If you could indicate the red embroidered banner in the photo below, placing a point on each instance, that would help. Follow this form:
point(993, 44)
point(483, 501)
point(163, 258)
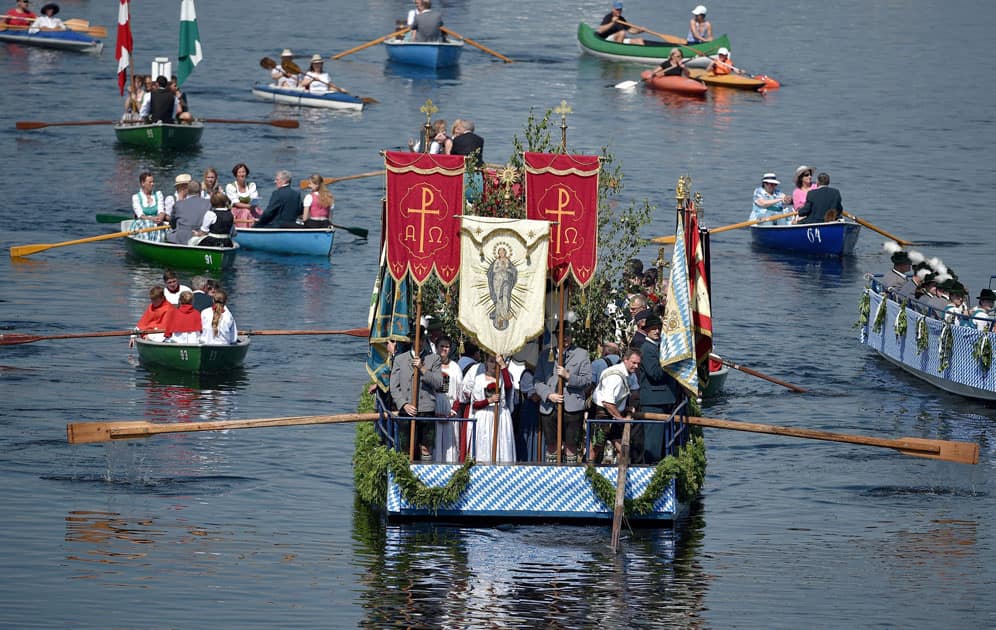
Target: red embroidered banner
point(424, 206)
point(563, 189)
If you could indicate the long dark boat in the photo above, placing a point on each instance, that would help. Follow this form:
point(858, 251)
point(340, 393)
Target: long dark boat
point(653, 52)
point(955, 358)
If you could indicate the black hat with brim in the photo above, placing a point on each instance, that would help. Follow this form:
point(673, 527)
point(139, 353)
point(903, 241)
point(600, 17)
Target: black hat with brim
point(50, 5)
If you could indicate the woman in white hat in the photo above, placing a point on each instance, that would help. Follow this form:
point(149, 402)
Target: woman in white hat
point(283, 78)
point(699, 29)
point(316, 80)
point(769, 200)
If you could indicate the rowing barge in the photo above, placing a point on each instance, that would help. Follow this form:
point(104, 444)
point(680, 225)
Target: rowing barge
point(954, 358)
point(677, 84)
point(158, 136)
point(301, 97)
point(424, 54)
point(835, 238)
point(57, 40)
point(302, 241)
point(735, 81)
point(149, 247)
point(192, 357)
point(653, 52)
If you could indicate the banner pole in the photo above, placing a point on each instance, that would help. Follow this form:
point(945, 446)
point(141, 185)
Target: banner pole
point(417, 349)
point(560, 363)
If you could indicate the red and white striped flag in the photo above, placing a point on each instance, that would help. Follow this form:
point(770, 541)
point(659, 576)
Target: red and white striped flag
point(123, 48)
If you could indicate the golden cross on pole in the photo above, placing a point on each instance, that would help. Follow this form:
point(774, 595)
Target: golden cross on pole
point(429, 108)
point(563, 109)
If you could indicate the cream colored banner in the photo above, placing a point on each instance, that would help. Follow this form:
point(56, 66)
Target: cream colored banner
point(502, 281)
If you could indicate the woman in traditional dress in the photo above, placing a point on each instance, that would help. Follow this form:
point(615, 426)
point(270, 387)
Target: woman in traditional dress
point(318, 204)
point(482, 391)
point(243, 196)
point(209, 184)
point(149, 207)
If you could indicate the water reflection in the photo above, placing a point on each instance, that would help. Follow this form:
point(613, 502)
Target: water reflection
point(418, 73)
point(534, 575)
point(828, 271)
point(184, 396)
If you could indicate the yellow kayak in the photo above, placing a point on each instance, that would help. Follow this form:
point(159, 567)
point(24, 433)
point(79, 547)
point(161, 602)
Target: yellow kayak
point(737, 81)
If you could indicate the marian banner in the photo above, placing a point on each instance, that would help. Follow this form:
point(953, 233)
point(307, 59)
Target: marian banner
point(502, 281)
point(563, 189)
point(424, 205)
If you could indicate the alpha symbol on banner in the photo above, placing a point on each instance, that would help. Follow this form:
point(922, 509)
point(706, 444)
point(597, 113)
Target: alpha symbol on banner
point(564, 200)
point(419, 236)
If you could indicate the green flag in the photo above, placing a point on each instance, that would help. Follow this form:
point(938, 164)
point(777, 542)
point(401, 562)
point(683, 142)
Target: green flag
point(190, 42)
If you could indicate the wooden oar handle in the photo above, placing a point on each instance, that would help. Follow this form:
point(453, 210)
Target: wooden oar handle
point(475, 44)
point(664, 240)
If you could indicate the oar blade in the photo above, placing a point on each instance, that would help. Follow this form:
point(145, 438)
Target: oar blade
point(30, 124)
point(958, 452)
point(93, 432)
point(369, 100)
point(14, 339)
point(285, 123)
point(20, 251)
point(355, 231)
point(626, 85)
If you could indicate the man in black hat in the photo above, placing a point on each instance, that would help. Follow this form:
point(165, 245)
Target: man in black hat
point(641, 328)
point(47, 20)
point(658, 394)
point(898, 275)
point(956, 311)
point(983, 316)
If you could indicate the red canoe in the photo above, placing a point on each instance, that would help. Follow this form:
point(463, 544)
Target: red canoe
point(678, 84)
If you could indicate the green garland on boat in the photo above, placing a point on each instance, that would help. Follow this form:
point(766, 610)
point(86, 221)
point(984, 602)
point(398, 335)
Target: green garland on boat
point(982, 352)
point(901, 322)
point(944, 347)
point(688, 468)
point(880, 315)
point(922, 335)
point(864, 309)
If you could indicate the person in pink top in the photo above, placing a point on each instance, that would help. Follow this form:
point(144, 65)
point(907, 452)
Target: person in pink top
point(803, 184)
point(317, 204)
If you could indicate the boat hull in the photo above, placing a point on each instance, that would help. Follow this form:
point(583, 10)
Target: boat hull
point(735, 81)
point(717, 381)
point(175, 255)
point(303, 98)
point(303, 241)
point(676, 84)
point(159, 135)
point(837, 238)
point(192, 357)
point(964, 375)
point(424, 54)
point(654, 52)
point(57, 40)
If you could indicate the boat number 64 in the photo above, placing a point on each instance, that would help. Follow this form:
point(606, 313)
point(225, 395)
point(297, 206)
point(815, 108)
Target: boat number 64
point(813, 234)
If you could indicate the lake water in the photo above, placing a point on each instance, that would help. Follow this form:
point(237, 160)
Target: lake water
point(260, 528)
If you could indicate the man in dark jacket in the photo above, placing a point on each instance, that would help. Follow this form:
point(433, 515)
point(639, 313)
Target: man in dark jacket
point(284, 207)
point(821, 200)
point(466, 142)
point(658, 392)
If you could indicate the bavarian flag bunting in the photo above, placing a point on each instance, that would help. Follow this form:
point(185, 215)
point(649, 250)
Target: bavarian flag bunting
point(677, 335)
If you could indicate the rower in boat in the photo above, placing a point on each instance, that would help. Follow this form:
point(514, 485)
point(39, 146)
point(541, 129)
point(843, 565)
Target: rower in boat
point(47, 20)
point(611, 28)
point(156, 316)
point(316, 80)
point(822, 203)
point(20, 16)
point(699, 28)
point(769, 199)
point(282, 77)
point(428, 24)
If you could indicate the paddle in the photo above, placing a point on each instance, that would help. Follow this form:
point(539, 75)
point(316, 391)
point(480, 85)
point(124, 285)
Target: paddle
point(355, 332)
point(91, 432)
point(671, 39)
point(305, 183)
point(374, 42)
point(280, 122)
point(620, 507)
point(15, 339)
point(753, 372)
point(875, 228)
point(19, 251)
point(30, 124)
point(664, 240)
point(296, 69)
point(959, 452)
point(113, 218)
point(475, 44)
point(355, 231)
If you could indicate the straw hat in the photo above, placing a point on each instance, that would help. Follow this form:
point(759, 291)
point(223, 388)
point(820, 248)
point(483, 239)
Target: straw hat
point(770, 178)
point(802, 169)
point(287, 53)
point(316, 58)
point(182, 179)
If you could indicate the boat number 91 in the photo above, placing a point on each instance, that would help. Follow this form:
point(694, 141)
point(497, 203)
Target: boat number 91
point(208, 261)
point(813, 234)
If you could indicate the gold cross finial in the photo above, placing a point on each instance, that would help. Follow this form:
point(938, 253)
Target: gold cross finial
point(563, 109)
point(428, 109)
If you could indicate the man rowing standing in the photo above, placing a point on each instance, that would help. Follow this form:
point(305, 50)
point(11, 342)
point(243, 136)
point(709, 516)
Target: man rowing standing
point(428, 24)
point(613, 29)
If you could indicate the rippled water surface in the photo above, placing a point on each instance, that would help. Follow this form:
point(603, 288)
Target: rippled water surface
point(260, 529)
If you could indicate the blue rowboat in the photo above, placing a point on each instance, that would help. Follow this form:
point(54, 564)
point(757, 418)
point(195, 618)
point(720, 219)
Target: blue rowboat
point(303, 241)
point(59, 40)
point(303, 98)
point(836, 238)
point(424, 54)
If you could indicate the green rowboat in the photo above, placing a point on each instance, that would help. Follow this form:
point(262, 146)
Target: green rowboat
point(174, 255)
point(159, 136)
point(652, 52)
point(191, 357)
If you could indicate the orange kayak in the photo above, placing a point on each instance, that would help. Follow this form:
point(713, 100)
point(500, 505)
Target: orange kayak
point(737, 81)
point(678, 84)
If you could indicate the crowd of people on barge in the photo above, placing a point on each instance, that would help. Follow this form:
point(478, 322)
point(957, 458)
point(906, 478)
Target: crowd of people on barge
point(932, 288)
point(178, 314)
point(205, 213)
point(538, 393)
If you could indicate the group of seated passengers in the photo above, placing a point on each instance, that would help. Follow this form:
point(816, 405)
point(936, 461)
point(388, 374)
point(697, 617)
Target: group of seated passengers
point(177, 314)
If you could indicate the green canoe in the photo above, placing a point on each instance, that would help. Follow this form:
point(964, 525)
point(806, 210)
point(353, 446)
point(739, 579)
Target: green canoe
point(652, 52)
point(152, 246)
point(192, 357)
point(159, 135)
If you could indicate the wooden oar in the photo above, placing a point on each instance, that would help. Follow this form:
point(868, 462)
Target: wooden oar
point(959, 452)
point(620, 507)
point(753, 372)
point(31, 124)
point(19, 251)
point(113, 218)
point(664, 240)
point(449, 31)
point(355, 332)
point(280, 122)
point(373, 42)
point(90, 432)
point(671, 39)
point(16, 339)
point(875, 228)
point(331, 180)
point(355, 231)
point(296, 69)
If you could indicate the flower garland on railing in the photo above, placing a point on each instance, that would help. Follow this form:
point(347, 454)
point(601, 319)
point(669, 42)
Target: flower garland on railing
point(880, 315)
point(688, 468)
point(922, 335)
point(864, 308)
point(982, 351)
point(901, 323)
point(944, 347)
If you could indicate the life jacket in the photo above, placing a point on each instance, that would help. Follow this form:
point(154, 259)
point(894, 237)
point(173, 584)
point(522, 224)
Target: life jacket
point(722, 67)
